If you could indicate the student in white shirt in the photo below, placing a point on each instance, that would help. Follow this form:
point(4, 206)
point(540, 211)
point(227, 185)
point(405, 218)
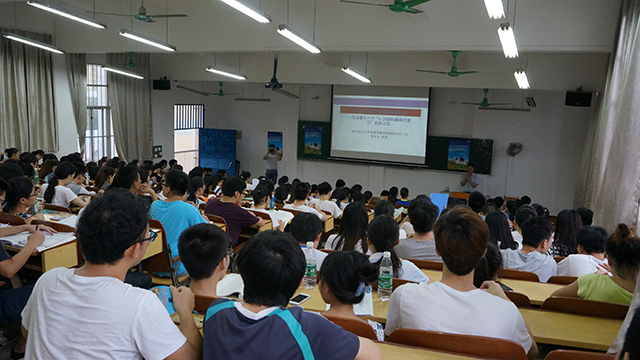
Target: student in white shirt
point(536, 241)
point(324, 202)
point(383, 236)
point(76, 185)
point(352, 233)
point(300, 192)
point(306, 227)
point(56, 192)
point(342, 197)
point(499, 230)
point(454, 304)
point(103, 317)
point(386, 208)
point(261, 200)
point(590, 257)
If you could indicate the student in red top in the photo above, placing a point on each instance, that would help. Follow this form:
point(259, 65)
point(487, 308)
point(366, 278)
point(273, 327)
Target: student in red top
point(228, 207)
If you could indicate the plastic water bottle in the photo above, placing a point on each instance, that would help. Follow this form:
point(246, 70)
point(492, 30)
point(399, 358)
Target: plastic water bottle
point(310, 276)
point(36, 179)
point(385, 280)
point(272, 205)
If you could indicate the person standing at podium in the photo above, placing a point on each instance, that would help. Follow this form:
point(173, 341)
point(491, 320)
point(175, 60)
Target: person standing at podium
point(470, 180)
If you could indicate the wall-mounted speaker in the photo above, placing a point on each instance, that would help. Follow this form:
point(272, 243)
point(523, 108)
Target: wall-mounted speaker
point(162, 84)
point(578, 98)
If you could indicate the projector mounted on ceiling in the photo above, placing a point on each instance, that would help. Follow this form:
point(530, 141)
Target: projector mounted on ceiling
point(274, 84)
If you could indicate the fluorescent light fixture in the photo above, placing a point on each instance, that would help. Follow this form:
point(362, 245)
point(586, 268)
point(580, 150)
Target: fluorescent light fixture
point(224, 73)
point(147, 40)
point(69, 15)
point(508, 40)
point(35, 43)
point(254, 14)
point(521, 78)
point(122, 72)
point(494, 8)
point(364, 79)
point(285, 31)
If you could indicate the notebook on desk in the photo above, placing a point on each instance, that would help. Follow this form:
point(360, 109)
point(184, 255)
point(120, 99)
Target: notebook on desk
point(50, 240)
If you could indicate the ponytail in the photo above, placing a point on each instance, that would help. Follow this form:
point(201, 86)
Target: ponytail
point(623, 251)
point(63, 171)
point(383, 234)
point(102, 175)
point(347, 273)
point(260, 193)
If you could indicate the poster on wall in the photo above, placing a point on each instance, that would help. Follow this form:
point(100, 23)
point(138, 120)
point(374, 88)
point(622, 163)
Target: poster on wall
point(458, 154)
point(312, 140)
point(275, 138)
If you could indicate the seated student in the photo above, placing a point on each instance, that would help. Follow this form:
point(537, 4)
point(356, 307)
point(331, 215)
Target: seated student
point(422, 215)
point(586, 215)
point(307, 227)
point(352, 232)
point(228, 207)
point(47, 169)
point(404, 197)
point(174, 213)
point(568, 223)
point(196, 190)
point(341, 197)
point(383, 236)
point(78, 179)
point(261, 201)
point(476, 202)
point(313, 192)
point(367, 197)
point(21, 200)
point(343, 281)
point(591, 243)
point(386, 208)
point(524, 213)
point(103, 317)
point(393, 194)
point(146, 191)
point(536, 241)
point(300, 192)
point(499, 230)
point(384, 195)
point(104, 177)
point(204, 251)
point(623, 253)
point(56, 191)
point(324, 201)
point(272, 266)
point(454, 304)
point(489, 268)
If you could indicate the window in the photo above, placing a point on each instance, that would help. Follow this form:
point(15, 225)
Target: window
point(187, 119)
point(187, 116)
point(99, 140)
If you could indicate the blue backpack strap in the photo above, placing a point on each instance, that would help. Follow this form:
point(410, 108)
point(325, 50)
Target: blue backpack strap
point(296, 331)
point(216, 308)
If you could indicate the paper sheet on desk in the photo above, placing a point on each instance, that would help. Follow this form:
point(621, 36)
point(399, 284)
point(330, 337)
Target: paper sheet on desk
point(365, 307)
point(21, 239)
point(70, 221)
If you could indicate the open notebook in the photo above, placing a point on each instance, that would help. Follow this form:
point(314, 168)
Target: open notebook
point(21, 239)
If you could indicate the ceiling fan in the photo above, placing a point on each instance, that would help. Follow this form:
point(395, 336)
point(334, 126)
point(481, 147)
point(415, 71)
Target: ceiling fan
point(142, 14)
point(397, 6)
point(205, 93)
point(220, 92)
point(454, 70)
point(485, 103)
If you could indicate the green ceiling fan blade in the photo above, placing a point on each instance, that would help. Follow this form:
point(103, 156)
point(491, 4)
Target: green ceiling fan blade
point(432, 71)
point(412, 3)
point(362, 3)
point(412, 11)
point(466, 72)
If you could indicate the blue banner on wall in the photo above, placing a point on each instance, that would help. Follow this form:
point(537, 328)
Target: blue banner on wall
point(312, 140)
point(458, 154)
point(275, 138)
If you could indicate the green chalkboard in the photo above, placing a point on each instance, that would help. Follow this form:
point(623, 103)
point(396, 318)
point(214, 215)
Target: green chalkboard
point(480, 154)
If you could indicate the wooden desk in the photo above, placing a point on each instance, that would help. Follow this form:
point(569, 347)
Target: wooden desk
point(392, 351)
point(328, 225)
point(537, 292)
point(316, 304)
point(579, 331)
point(64, 255)
point(268, 225)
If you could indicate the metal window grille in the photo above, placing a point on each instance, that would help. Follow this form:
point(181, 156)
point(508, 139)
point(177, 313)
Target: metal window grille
point(99, 140)
point(188, 116)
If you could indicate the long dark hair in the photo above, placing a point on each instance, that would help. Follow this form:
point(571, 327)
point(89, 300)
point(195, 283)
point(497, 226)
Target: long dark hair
point(102, 175)
point(383, 234)
point(63, 171)
point(125, 178)
point(568, 223)
point(21, 187)
point(341, 194)
point(344, 271)
point(353, 228)
point(500, 232)
point(261, 194)
point(195, 184)
point(490, 266)
point(47, 167)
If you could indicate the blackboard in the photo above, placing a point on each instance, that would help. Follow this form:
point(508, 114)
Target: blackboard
point(480, 154)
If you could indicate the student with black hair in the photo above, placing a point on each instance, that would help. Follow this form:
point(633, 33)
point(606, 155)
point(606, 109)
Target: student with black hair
point(284, 180)
point(404, 197)
point(12, 153)
point(79, 177)
point(196, 172)
point(384, 195)
point(522, 214)
point(29, 159)
point(228, 207)
point(108, 317)
point(56, 191)
point(568, 223)
point(386, 208)
point(499, 230)
point(48, 167)
point(422, 215)
point(204, 251)
point(591, 253)
point(476, 202)
point(262, 200)
point(586, 215)
point(21, 199)
point(324, 201)
point(306, 227)
point(341, 197)
point(272, 266)
point(172, 163)
point(382, 235)
point(127, 178)
point(147, 193)
point(39, 154)
point(104, 177)
point(174, 213)
point(300, 193)
point(623, 254)
point(455, 305)
point(490, 267)
point(196, 189)
point(393, 195)
point(10, 169)
point(281, 194)
point(367, 197)
point(352, 232)
point(536, 241)
point(340, 184)
point(343, 282)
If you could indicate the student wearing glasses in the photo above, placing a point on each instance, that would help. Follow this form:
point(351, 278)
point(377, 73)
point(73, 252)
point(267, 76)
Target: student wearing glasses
point(22, 199)
point(90, 313)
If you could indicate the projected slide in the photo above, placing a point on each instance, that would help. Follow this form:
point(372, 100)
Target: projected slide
point(380, 128)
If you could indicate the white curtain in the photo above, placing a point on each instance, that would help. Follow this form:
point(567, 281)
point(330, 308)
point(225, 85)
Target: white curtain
point(610, 177)
point(27, 109)
point(77, 75)
point(131, 107)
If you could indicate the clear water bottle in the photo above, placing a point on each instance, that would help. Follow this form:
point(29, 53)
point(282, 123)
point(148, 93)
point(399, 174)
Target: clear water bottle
point(272, 205)
point(385, 279)
point(36, 179)
point(310, 276)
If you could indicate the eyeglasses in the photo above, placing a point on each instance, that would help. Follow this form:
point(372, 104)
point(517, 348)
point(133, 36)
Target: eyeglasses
point(152, 236)
point(2, 203)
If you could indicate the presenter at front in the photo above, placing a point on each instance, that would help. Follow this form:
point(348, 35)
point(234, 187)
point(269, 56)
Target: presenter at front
point(272, 163)
point(470, 180)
